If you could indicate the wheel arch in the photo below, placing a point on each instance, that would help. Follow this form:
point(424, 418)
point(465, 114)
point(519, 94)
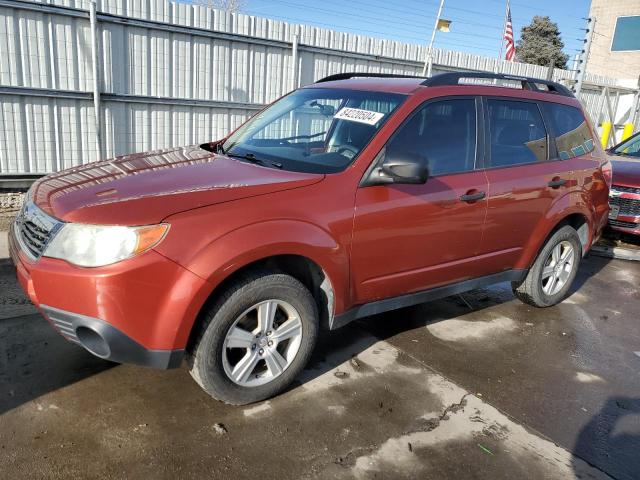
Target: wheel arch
point(300, 267)
point(578, 219)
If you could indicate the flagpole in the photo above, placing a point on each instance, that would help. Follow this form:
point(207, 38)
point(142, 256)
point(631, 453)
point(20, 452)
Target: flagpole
point(504, 28)
point(426, 70)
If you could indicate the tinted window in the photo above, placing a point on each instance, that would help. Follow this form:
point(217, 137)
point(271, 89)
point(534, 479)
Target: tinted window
point(517, 133)
point(573, 137)
point(442, 133)
point(625, 36)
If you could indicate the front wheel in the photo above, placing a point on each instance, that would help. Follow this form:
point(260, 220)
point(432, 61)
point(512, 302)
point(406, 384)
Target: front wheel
point(255, 339)
point(549, 279)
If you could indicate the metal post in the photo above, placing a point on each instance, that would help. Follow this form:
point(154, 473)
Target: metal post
point(93, 20)
point(584, 58)
point(634, 115)
point(552, 64)
point(607, 127)
point(294, 60)
point(428, 64)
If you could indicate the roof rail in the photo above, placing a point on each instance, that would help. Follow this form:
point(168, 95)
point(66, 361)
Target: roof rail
point(453, 78)
point(346, 76)
point(528, 83)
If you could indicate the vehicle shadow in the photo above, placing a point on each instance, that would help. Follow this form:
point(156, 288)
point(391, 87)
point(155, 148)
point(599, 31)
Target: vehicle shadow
point(590, 266)
point(611, 439)
point(339, 346)
point(35, 360)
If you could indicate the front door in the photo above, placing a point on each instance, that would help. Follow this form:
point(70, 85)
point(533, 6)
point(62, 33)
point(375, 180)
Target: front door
point(412, 237)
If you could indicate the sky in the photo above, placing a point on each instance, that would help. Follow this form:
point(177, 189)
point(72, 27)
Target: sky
point(476, 24)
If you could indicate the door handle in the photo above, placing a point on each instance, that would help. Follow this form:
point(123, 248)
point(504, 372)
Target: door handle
point(557, 182)
point(472, 197)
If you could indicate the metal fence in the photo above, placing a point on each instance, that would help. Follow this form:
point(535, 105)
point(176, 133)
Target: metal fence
point(166, 74)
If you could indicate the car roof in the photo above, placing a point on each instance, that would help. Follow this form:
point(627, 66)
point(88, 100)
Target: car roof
point(532, 88)
point(376, 84)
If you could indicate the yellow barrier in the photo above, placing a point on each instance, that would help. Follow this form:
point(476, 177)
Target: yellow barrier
point(606, 131)
point(627, 131)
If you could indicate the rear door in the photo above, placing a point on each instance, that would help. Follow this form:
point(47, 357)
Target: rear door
point(525, 177)
point(411, 237)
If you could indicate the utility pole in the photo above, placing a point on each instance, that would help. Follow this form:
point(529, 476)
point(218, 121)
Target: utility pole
point(552, 64)
point(428, 64)
point(93, 20)
point(584, 56)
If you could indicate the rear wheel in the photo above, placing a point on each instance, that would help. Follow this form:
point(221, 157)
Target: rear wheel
point(255, 339)
point(549, 279)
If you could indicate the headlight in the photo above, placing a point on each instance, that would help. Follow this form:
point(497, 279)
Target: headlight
point(96, 245)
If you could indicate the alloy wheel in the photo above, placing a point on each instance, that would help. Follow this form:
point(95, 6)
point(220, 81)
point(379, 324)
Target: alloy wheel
point(262, 343)
point(557, 268)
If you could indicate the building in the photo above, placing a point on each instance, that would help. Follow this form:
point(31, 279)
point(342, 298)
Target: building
point(615, 46)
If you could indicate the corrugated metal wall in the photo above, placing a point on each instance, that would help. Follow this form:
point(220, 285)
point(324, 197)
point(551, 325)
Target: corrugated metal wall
point(170, 74)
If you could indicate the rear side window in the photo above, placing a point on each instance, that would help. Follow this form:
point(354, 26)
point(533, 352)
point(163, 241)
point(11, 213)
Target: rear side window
point(517, 133)
point(572, 134)
point(442, 134)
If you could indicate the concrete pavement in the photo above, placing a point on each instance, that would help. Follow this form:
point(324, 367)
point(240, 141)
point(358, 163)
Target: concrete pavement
point(363, 410)
point(473, 386)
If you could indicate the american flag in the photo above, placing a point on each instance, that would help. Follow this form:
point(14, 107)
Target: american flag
point(510, 52)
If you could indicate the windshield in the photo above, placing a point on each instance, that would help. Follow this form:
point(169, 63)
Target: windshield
point(630, 148)
point(313, 130)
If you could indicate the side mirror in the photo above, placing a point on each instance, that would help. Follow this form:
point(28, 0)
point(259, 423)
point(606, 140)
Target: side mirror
point(400, 168)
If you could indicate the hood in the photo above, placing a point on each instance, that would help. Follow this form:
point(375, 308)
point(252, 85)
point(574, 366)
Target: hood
point(145, 188)
point(626, 171)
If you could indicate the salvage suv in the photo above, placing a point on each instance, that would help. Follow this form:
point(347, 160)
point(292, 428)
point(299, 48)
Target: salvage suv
point(356, 195)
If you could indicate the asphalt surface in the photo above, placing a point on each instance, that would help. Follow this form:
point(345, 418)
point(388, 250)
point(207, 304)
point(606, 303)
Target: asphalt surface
point(473, 386)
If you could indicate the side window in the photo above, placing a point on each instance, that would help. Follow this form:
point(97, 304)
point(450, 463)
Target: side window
point(442, 134)
point(630, 148)
point(517, 133)
point(573, 137)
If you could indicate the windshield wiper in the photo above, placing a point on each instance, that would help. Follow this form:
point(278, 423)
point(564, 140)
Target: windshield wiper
point(304, 137)
point(250, 157)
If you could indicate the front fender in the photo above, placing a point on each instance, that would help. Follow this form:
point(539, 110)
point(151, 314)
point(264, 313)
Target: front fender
point(225, 255)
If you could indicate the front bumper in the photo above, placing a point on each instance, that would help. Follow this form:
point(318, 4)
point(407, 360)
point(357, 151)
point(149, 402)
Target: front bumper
point(105, 341)
point(626, 224)
point(138, 311)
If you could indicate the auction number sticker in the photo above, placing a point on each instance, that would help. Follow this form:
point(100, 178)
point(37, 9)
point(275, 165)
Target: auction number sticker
point(357, 115)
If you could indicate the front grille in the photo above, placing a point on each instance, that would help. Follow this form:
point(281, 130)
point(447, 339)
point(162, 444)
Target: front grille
point(628, 206)
point(620, 188)
point(34, 229)
point(621, 224)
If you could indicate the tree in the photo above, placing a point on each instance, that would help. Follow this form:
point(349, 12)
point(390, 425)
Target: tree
point(540, 43)
point(233, 6)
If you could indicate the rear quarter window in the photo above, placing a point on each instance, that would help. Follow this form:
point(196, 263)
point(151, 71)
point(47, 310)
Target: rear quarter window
point(572, 134)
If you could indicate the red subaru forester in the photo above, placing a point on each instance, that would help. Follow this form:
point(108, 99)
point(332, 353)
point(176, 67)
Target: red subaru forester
point(358, 194)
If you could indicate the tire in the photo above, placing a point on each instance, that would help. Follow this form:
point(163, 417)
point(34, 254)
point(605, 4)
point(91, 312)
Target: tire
point(535, 289)
point(211, 357)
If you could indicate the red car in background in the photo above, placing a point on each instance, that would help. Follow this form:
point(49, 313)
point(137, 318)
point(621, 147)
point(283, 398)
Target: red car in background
point(624, 196)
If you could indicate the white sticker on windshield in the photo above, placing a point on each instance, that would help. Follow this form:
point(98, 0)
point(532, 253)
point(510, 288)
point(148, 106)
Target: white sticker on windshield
point(357, 115)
